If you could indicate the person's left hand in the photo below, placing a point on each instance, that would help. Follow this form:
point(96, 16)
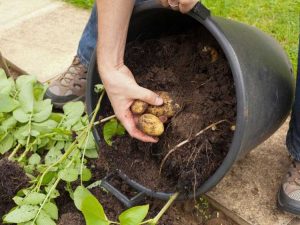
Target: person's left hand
point(183, 6)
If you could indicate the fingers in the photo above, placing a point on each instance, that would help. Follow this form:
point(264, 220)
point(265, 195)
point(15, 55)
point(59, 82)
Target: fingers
point(129, 123)
point(164, 3)
point(148, 96)
point(183, 6)
point(186, 5)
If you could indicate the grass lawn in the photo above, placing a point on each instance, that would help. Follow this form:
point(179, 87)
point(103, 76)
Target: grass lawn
point(280, 18)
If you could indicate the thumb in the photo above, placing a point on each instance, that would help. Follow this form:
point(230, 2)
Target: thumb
point(148, 96)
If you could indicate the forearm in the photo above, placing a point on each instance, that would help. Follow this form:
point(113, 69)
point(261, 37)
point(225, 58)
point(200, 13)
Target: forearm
point(113, 20)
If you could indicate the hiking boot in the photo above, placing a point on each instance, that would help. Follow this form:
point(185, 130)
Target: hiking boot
point(289, 193)
point(70, 86)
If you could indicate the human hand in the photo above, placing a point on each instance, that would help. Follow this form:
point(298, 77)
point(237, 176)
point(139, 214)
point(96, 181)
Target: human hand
point(122, 90)
point(183, 6)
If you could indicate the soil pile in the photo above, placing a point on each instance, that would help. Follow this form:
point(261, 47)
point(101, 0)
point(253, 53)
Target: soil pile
point(12, 179)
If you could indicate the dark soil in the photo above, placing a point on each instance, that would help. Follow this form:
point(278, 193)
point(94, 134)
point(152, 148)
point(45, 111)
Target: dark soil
point(180, 213)
point(12, 179)
point(203, 87)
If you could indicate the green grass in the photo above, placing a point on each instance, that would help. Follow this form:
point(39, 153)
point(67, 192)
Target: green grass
point(86, 4)
point(279, 18)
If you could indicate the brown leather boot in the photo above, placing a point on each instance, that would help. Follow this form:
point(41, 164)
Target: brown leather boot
point(289, 192)
point(69, 86)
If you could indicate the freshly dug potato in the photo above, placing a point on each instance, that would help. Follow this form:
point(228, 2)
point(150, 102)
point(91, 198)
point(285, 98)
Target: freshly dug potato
point(150, 125)
point(139, 107)
point(214, 55)
point(168, 109)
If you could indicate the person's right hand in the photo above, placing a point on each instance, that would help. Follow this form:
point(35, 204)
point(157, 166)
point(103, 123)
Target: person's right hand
point(122, 90)
point(183, 6)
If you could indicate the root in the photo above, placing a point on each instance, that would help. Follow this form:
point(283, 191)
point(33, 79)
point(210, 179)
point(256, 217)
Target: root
point(4, 64)
point(211, 126)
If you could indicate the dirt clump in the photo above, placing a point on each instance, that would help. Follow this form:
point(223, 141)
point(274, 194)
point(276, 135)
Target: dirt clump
point(12, 179)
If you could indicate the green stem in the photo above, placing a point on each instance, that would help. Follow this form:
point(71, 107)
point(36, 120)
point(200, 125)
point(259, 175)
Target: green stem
point(73, 145)
point(98, 122)
point(14, 152)
point(163, 210)
point(45, 200)
point(26, 151)
point(83, 155)
point(65, 156)
point(112, 222)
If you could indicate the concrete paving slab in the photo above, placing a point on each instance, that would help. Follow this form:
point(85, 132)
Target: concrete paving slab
point(45, 44)
point(250, 188)
point(12, 10)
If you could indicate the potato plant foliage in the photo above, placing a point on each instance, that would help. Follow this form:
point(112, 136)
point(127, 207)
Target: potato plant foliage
point(52, 147)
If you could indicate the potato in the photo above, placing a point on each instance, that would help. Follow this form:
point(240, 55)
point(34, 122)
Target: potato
point(150, 125)
point(138, 107)
point(168, 109)
point(214, 55)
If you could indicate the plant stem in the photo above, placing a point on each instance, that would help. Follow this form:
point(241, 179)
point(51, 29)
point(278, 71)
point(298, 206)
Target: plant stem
point(65, 156)
point(105, 119)
point(4, 64)
point(45, 200)
point(26, 151)
point(75, 143)
point(163, 210)
point(14, 152)
point(82, 158)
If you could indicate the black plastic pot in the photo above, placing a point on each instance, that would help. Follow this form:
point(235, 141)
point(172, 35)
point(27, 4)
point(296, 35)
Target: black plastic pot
point(262, 74)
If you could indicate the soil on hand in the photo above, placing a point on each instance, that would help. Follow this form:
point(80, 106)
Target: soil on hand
point(194, 70)
point(12, 179)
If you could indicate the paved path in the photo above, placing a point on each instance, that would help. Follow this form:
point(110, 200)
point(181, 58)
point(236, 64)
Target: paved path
point(41, 37)
point(250, 188)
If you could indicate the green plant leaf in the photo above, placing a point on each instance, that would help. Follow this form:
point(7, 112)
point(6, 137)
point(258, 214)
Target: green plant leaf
point(21, 116)
point(91, 153)
point(8, 104)
point(134, 215)
point(52, 210)
point(80, 194)
point(86, 174)
point(6, 144)
point(39, 90)
point(44, 219)
point(98, 88)
point(34, 159)
point(21, 214)
point(26, 97)
point(73, 112)
point(22, 132)
point(54, 193)
point(48, 178)
point(6, 84)
point(92, 211)
point(44, 127)
point(68, 174)
point(42, 110)
point(34, 198)
point(18, 200)
point(57, 117)
point(112, 128)
point(9, 123)
point(53, 155)
point(90, 207)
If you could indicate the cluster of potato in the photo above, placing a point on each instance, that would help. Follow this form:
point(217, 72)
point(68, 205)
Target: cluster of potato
point(151, 117)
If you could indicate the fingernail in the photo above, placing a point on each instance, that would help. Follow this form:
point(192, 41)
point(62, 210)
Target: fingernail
point(159, 100)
